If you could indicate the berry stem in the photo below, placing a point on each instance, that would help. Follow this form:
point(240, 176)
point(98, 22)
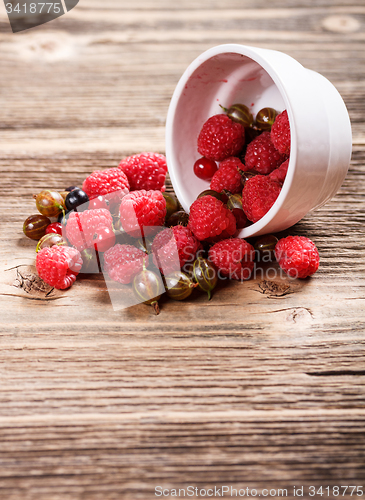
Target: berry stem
point(156, 307)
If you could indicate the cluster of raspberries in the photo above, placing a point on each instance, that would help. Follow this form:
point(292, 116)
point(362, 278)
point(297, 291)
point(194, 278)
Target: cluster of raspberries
point(128, 204)
point(265, 158)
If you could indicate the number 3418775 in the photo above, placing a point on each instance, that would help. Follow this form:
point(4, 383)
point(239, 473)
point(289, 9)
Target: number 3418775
point(34, 8)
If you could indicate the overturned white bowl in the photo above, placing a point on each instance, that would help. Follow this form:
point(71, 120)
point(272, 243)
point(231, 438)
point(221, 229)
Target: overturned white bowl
point(321, 141)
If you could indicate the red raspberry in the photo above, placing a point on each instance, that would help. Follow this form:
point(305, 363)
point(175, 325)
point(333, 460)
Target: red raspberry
point(58, 266)
point(234, 258)
point(210, 219)
point(140, 211)
point(297, 256)
point(123, 262)
point(280, 133)
point(261, 155)
point(83, 228)
point(145, 171)
point(173, 247)
point(220, 138)
point(227, 176)
point(279, 173)
point(258, 196)
point(111, 183)
point(98, 202)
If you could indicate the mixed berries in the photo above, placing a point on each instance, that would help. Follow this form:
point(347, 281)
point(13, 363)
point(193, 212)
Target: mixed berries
point(122, 222)
point(242, 146)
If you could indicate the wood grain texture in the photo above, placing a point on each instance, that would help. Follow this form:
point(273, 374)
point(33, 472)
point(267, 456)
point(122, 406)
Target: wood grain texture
point(262, 387)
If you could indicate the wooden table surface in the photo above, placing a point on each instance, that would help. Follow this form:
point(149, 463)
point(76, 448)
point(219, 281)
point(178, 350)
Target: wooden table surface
point(263, 386)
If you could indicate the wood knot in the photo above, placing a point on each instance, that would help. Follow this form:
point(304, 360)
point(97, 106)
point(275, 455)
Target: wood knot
point(274, 288)
point(32, 284)
point(300, 315)
point(341, 24)
point(45, 46)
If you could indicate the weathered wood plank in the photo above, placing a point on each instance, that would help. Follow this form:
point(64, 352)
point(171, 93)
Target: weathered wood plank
point(261, 387)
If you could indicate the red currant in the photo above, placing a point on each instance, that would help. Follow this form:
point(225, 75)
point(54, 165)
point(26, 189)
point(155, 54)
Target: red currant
point(55, 227)
point(204, 168)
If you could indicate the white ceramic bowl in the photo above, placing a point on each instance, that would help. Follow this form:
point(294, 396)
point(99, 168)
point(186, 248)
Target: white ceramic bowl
point(321, 140)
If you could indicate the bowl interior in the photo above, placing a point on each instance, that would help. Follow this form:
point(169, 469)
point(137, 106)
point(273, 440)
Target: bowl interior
point(223, 79)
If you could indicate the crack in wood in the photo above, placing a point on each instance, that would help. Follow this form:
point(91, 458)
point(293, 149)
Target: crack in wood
point(296, 313)
point(336, 373)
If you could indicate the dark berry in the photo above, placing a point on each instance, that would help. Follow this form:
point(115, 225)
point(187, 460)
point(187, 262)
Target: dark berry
point(234, 203)
point(178, 218)
point(265, 247)
point(71, 188)
point(251, 134)
point(148, 288)
point(172, 205)
point(206, 275)
point(210, 192)
point(55, 227)
point(50, 203)
point(240, 113)
point(35, 226)
point(245, 176)
point(90, 262)
point(49, 240)
point(76, 198)
point(205, 168)
point(179, 286)
point(265, 118)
